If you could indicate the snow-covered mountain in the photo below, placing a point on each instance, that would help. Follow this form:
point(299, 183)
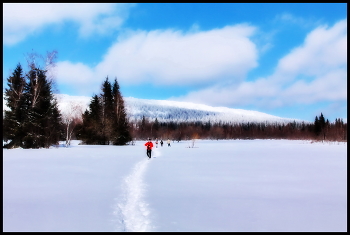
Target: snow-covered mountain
point(166, 111)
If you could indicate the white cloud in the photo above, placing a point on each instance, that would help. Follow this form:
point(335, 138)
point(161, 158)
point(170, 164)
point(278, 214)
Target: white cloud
point(23, 19)
point(331, 86)
point(287, 20)
point(77, 76)
point(323, 50)
point(315, 71)
point(176, 57)
point(172, 57)
point(258, 93)
point(288, 17)
point(77, 73)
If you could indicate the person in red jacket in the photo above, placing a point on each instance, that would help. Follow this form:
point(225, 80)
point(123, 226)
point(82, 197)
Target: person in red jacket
point(149, 146)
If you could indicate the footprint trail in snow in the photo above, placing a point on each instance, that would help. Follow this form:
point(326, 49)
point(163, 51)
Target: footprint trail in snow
point(132, 211)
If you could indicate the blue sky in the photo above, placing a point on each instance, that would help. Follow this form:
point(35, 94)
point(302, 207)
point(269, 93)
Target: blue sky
point(288, 60)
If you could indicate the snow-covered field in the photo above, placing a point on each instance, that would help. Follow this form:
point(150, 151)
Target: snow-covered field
point(228, 185)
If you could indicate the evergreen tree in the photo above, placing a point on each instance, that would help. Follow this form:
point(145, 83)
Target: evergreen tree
point(43, 122)
point(143, 126)
point(56, 131)
point(320, 126)
point(86, 132)
point(108, 113)
point(317, 126)
point(322, 121)
point(14, 118)
point(92, 122)
point(156, 126)
point(121, 133)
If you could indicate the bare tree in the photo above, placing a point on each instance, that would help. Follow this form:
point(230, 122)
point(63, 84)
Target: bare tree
point(195, 136)
point(47, 64)
point(71, 116)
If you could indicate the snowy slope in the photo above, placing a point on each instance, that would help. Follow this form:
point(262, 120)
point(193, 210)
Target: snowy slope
point(166, 110)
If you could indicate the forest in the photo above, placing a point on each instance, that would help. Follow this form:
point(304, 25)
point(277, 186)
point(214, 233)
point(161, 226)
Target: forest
point(319, 130)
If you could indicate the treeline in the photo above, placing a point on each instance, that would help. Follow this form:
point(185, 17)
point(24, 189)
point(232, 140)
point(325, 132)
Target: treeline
point(321, 129)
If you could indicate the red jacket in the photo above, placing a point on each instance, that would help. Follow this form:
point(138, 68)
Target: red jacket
point(149, 145)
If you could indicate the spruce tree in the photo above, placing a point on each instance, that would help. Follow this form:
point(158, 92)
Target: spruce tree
point(43, 122)
point(14, 118)
point(322, 121)
point(317, 126)
point(156, 127)
point(121, 133)
point(86, 131)
point(108, 113)
point(95, 115)
point(322, 125)
point(56, 131)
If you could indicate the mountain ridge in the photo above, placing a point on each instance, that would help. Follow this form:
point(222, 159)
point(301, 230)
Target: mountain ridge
point(178, 111)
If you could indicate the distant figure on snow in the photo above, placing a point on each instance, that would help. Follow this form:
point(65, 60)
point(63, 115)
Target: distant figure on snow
point(168, 142)
point(156, 142)
point(149, 146)
point(161, 143)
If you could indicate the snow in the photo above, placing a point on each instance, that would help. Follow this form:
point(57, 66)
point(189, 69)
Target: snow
point(225, 185)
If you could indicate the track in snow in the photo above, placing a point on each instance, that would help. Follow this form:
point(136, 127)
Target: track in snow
point(132, 211)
